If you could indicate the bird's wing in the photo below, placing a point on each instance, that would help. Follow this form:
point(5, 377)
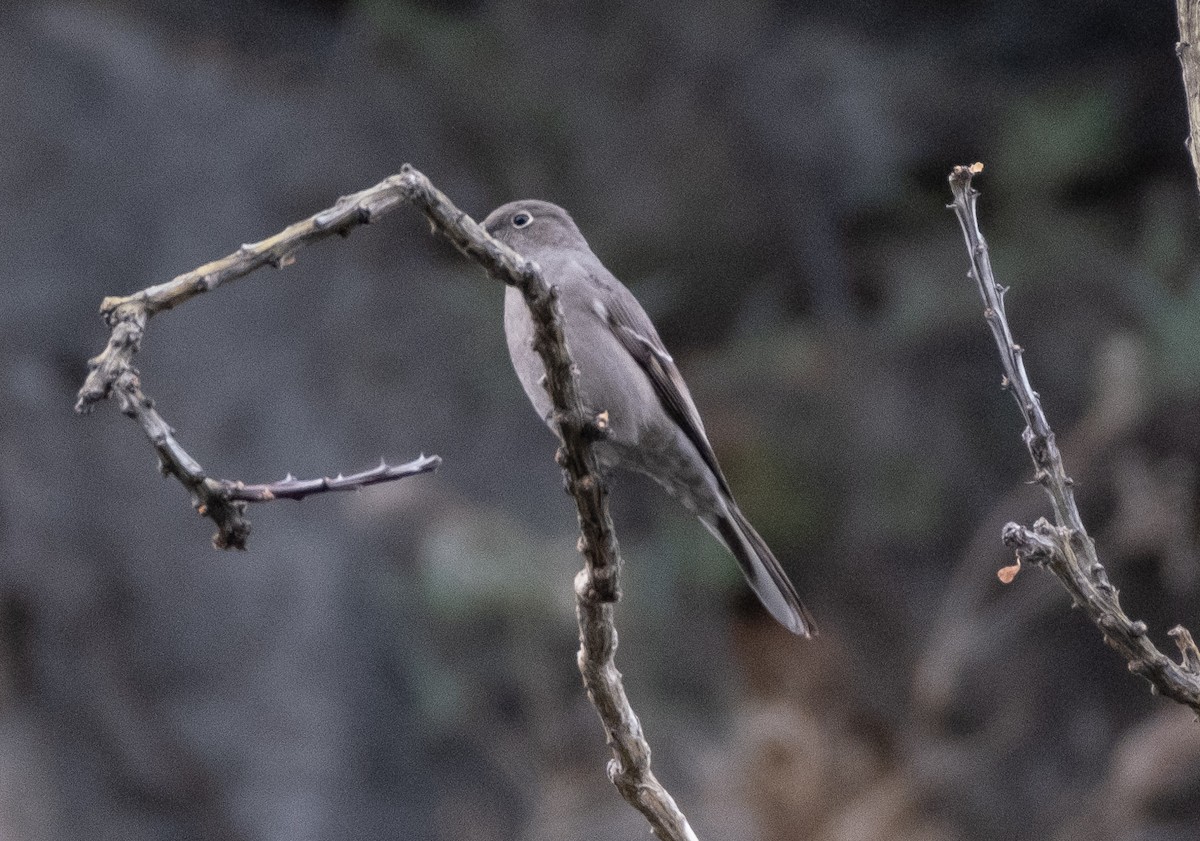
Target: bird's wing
point(633, 329)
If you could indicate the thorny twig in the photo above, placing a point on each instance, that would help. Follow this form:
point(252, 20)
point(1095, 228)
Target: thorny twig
point(112, 373)
point(1065, 547)
point(597, 586)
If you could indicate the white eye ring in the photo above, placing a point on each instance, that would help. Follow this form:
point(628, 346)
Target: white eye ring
point(521, 220)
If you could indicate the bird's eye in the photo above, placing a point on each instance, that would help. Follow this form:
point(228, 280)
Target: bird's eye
point(521, 220)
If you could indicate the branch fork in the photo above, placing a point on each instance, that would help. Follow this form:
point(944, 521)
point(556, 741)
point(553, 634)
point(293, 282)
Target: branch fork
point(1037, 545)
point(597, 586)
point(112, 374)
point(1064, 547)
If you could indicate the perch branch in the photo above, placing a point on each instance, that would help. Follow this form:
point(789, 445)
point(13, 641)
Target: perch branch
point(597, 585)
point(1188, 12)
point(1064, 547)
point(111, 373)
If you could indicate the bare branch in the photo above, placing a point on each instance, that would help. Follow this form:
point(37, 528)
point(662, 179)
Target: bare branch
point(597, 585)
point(629, 769)
point(1065, 547)
point(576, 424)
point(223, 500)
point(112, 373)
point(1187, 48)
point(127, 316)
point(292, 488)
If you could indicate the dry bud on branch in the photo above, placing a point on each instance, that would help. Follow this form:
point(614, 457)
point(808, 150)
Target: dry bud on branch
point(1064, 548)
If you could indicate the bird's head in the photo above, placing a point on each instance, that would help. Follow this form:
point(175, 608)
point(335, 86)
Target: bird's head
point(529, 226)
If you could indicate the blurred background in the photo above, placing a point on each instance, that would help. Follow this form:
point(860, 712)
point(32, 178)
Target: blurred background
point(769, 178)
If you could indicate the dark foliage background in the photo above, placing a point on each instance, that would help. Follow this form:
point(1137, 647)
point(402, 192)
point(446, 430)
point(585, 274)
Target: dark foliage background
point(770, 179)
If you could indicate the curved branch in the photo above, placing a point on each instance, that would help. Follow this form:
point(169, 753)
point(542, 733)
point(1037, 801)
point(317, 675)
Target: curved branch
point(1065, 547)
point(112, 373)
point(127, 315)
point(597, 586)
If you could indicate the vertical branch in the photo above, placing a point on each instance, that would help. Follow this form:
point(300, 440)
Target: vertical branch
point(597, 586)
point(1188, 50)
point(1065, 547)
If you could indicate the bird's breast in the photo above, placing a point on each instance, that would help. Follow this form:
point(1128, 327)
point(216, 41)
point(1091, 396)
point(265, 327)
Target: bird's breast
point(610, 380)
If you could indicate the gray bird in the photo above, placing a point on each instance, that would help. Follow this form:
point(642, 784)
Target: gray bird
point(624, 370)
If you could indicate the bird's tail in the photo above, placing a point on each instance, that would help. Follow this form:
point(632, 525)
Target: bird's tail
point(763, 572)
